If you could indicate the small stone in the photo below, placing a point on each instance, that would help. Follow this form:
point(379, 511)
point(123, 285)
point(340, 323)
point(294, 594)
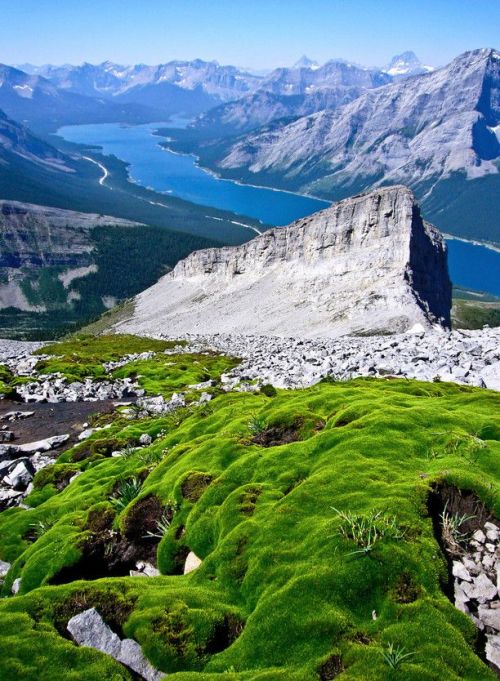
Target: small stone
point(460, 571)
point(493, 650)
point(490, 547)
point(16, 585)
point(21, 476)
point(492, 535)
point(145, 440)
point(147, 569)
point(471, 566)
point(192, 562)
point(482, 589)
point(488, 561)
point(490, 618)
point(4, 568)
point(479, 536)
point(491, 526)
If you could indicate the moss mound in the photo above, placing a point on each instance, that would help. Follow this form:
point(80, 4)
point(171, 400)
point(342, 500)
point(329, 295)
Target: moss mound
point(290, 588)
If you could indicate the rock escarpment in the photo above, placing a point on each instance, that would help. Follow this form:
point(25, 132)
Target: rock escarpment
point(366, 265)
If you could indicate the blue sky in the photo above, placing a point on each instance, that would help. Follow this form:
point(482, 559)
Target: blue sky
point(254, 33)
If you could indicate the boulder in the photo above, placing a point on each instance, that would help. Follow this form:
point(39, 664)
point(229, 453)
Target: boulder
point(43, 445)
point(89, 629)
point(21, 476)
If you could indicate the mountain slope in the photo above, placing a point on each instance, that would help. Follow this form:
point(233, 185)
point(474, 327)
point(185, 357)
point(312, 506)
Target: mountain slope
point(436, 133)
point(60, 268)
point(365, 265)
point(33, 171)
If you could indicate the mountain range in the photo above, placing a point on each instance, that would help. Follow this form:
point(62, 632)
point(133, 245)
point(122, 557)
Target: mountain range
point(48, 96)
point(436, 132)
point(331, 130)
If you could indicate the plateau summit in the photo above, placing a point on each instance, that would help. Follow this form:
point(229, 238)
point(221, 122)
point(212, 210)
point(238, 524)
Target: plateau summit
point(366, 265)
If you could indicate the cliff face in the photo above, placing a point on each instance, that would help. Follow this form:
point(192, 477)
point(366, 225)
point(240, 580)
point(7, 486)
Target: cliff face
point(368, 264)
point(45, 247)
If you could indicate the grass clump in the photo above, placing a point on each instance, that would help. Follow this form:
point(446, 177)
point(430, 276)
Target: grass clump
point(127, 491)
point(395, 655)
point(367, 529)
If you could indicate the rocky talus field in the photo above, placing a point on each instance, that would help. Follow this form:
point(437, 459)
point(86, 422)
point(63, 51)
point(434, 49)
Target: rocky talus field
point(172, 507)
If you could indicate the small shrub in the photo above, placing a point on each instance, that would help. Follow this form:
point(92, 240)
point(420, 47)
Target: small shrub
point(268, 390)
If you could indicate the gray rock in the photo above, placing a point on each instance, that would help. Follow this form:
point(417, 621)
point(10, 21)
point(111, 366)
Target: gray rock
point(6, 436)
point(20, 477)
point(493, 650)
point(479, 536)
point(491, 376)
point(16, 585)
point(460, 571)
point(4, 568)
point(43, 445)
point(489, 617)
point(481, 589)
point(16, 415)
point(89, 629)
point(145, 439)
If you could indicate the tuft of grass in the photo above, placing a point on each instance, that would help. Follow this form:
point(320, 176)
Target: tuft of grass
point(127, 491)
point(368, 529)
point(257, 424)
point(395, 655)
point(451, 527)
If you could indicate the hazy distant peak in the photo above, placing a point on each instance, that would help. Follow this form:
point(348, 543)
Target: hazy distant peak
point(406, 64)
point(305, 63)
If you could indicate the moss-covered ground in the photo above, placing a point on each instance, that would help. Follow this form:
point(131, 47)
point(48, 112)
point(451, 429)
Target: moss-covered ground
point(259, 487)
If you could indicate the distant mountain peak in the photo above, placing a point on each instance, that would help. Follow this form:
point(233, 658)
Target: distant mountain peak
point(406, 64)
point(305, 63)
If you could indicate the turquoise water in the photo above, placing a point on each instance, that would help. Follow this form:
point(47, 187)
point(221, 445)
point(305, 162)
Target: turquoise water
point(178, 175)
point(471, 266)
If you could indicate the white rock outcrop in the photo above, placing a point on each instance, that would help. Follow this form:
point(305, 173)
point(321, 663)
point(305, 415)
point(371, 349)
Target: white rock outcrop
point(366, 265)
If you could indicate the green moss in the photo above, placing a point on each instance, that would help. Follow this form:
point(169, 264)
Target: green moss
point(166, 374)
point(83, 355)
point(280, 593)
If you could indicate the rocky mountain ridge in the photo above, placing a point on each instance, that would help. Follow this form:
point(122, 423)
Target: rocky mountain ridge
point(368, 264)
point(437, 133)
point(435, 124)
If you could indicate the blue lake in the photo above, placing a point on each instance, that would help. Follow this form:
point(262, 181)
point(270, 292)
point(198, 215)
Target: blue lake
point(471, 266)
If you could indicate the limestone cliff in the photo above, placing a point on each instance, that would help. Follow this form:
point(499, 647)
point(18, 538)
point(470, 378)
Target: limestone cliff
point(368, 264)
